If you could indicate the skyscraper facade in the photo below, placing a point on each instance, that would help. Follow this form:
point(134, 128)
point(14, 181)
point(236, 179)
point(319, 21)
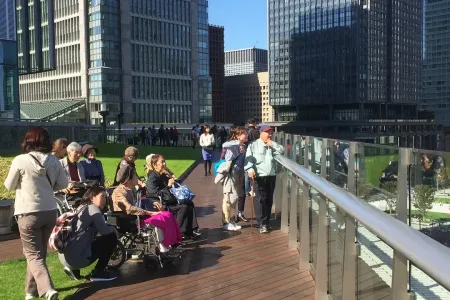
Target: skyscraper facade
point(217, 71)
point(345, 60)
point(9, 78)
point(144, 61)
point(436, 65)
point(245, 61)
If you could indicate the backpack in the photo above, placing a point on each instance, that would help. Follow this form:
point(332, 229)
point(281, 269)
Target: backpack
point(64, 230)
point(217, 165)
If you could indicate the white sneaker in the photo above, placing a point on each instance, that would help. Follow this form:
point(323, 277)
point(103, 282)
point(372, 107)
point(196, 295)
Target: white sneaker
point(51, 295)
point(163, 249)
point(229, 227)
point(236, 226)
point(30, 296)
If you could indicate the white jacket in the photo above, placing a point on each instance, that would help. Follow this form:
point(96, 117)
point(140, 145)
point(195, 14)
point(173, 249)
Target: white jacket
point(206, 140)
point(34, 192)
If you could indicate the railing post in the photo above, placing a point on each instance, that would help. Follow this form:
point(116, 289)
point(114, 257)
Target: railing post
point(332, 166)
point(312, 155)
point(323, 159)
point(304, 229)
point(349, 267)
point(293, 223)
point(285, 203)
point(399, 261)
point(306, 153)
point(278, 193)
point(322, 252)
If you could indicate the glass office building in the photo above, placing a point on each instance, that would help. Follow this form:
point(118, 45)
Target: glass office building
point(344, 59)
point(146, 60)
point(436, 66)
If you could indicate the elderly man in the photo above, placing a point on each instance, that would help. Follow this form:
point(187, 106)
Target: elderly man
point(261, 166)
point(74, 170)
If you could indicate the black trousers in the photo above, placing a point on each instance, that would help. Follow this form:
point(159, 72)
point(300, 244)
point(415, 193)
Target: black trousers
point(241, 200)
point(264, 189)
point(186, 216)
point(102, 248)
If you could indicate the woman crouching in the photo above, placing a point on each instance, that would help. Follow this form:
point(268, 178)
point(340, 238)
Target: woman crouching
point(123, 197)
point(87, 247)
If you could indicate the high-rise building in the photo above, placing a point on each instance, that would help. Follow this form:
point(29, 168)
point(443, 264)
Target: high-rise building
point(436, 64)
point(217, 71)
point(247, 96)
point(142, 61)
point(9, 80)
point(245, 61)
point(345, 60)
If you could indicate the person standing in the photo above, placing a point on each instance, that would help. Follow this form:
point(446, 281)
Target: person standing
point(161, 135)
point(194, 137)
point(34, 176)
point(207, 142)
point(253, 135)
point(154, 135)
point(261, 166)
point(175, 136)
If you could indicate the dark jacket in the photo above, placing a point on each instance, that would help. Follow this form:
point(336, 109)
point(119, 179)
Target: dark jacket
point(93, 170)
point(157, 185)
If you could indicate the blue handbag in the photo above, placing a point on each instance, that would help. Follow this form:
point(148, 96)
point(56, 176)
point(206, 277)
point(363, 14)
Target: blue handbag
point(182, 193)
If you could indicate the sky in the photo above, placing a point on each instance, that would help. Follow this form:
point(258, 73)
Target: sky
point(245, 22)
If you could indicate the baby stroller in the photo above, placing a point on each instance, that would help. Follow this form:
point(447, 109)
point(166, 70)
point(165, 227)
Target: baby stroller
point(138, 242)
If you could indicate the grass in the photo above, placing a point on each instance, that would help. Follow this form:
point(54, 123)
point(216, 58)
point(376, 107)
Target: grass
point(442, 200)
point(431, 216)
point(12, 277)
point(177, 159)
point(374, 165)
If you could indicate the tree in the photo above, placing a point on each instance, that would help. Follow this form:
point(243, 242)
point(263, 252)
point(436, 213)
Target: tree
point(423, 200)
point(390, 194)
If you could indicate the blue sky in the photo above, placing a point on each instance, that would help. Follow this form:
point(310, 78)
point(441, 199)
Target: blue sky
point(245, 22)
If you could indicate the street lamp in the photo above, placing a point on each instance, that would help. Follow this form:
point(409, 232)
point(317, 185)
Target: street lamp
point(119, 126)
point(104, 113)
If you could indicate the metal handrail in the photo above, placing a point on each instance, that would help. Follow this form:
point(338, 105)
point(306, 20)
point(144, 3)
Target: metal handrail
point(427, 254)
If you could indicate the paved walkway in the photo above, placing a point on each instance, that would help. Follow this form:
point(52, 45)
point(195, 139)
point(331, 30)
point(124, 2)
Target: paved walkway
point(222, 265)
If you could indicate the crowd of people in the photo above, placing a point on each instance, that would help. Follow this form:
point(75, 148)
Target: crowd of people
point(47, 168)
point(248, 169)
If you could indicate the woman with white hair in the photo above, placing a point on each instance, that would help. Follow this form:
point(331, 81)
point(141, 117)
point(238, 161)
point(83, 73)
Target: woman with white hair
point(74, 170)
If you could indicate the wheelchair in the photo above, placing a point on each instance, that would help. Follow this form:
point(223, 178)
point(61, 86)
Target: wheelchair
point(70, 202)
point(136, 241)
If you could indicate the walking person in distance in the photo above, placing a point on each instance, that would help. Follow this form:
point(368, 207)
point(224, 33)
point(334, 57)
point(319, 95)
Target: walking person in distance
point(207, 142)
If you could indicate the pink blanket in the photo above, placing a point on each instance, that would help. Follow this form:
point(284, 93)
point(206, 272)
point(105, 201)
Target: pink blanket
point(166, 222)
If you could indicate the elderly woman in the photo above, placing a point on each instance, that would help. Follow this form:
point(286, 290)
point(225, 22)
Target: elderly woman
point(34, 176)
point(130, 156)
point(74, 170)
point(123, 198)
point(93, 169)
point(159, 183)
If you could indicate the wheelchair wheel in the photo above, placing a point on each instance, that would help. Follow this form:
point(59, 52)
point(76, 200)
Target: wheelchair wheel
point(118, 257)
point(151, 263)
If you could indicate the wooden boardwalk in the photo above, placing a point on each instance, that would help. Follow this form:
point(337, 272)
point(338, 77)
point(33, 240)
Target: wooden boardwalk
point(221, 265)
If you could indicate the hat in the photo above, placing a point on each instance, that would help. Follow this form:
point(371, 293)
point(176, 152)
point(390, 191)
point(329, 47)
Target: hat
point(132, 151)
point(124, 174)
point(264, 128)
point(86, 149)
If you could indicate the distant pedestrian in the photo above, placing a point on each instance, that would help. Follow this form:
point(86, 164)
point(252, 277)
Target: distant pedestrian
point(194, 137)
point(161, 134)
point(154, 135)
point(207, 142)
point(143, 136)
point(175, 136)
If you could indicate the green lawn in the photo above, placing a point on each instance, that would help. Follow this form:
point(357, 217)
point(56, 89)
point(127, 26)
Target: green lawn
point(177, 159)
point(374, 165)
point(12, 277)
point(12, 273)
point(442, 200)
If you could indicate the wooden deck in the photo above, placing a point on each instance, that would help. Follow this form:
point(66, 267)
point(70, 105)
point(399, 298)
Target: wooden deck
point(222, 265)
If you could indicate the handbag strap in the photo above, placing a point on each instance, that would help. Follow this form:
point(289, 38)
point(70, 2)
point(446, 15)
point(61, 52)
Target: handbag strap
point(40, 165)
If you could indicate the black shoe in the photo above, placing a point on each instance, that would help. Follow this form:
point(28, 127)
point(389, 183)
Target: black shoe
point(102, 276)
point(263, 229)
point(241, 217)
point(73, 274)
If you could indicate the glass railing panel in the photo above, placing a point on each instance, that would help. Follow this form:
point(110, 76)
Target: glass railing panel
point(374, 266)
point(338, 160)
point(429, 212)
point(316, 155)
point(314, 221)
point(336, 237)
point(377, 176)
point(299, 150)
